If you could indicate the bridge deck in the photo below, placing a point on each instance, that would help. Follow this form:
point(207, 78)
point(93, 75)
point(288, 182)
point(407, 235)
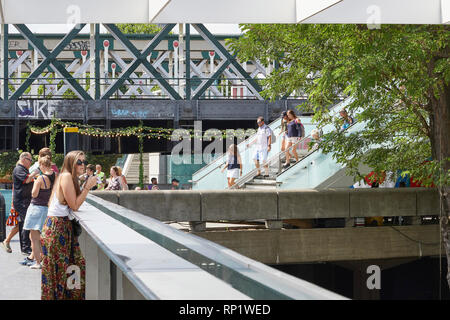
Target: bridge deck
point(17, 282)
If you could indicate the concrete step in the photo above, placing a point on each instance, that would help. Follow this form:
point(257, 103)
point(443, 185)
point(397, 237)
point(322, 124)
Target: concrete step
point(260, 187)
point(263, 181)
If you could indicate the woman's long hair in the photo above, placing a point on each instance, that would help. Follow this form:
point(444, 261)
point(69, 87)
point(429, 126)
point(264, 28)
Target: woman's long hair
point(292, 112)
point(69, 166)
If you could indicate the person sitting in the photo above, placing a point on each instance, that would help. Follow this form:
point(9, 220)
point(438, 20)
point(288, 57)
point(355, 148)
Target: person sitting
point(101, 175)
point(175, 184)
point(114, 180)
point(154, 185)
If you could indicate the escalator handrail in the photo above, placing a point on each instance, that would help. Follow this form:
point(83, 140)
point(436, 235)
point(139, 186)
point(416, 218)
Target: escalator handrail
point(250, 175)
point(223, 156)
point(317, 149)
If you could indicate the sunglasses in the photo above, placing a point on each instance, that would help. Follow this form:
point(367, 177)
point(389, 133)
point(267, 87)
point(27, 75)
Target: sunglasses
point(79, 162)
point(29, 159)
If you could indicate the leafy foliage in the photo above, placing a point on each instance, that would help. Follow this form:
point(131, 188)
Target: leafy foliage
point(138, 28)
point(394, 75)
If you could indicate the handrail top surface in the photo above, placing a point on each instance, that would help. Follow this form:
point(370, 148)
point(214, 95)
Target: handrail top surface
point(156, 272)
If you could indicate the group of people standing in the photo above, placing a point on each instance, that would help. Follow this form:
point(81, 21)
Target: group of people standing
point(292, 130)
point(41, 212)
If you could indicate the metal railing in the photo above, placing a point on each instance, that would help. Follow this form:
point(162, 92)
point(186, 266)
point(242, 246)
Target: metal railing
point(245, 276)
point(46, 87)
point(277, 158)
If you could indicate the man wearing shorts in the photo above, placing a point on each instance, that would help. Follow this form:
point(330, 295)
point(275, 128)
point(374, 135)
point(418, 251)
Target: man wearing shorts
point(263, 144)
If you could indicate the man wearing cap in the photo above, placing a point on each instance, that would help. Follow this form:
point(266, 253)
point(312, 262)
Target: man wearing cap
point(263, 145)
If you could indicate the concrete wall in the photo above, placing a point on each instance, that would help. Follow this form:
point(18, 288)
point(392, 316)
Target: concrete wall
point(330, 244)
point(238, 205)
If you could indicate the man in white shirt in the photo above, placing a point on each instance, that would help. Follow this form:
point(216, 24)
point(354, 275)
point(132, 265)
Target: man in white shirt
point(263, 144)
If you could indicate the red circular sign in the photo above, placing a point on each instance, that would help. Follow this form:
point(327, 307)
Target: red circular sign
point(106, 43)
point(212, 53)
point(175, 44)
point(113, 65)
point(19, 53)
point(84, 53)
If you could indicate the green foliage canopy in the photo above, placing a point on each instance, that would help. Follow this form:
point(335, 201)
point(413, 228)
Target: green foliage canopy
point(398, 77)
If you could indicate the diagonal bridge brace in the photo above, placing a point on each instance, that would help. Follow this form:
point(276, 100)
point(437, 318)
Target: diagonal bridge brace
point(225, 55)
point(50, 60)
point(140, 58)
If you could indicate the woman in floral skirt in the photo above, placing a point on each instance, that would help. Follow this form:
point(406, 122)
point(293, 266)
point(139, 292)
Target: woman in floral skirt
point(60, 248)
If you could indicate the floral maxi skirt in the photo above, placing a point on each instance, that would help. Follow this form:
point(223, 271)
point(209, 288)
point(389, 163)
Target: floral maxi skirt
point(12, 218)
point(63, 265)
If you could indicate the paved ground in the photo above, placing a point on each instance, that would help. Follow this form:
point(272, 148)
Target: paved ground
point(17, 282)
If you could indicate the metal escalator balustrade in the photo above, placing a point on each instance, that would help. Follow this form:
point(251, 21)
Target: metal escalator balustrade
point(316, 168)
point(210, 177)
point(303, 150)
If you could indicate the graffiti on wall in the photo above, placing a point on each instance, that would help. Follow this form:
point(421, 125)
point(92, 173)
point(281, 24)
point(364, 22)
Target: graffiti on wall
point(78, 45)
point(36, 109)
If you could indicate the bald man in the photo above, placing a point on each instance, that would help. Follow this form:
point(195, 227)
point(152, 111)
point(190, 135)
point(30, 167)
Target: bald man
point(23, 184)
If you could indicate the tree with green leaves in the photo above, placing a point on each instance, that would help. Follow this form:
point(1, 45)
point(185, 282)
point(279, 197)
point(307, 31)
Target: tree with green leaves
point(138, 28)
point(398, 77)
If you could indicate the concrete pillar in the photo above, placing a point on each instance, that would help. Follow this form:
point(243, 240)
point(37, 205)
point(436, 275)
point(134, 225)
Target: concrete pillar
point(98, 271)
point(129, 290)
point(117, 288)
point(274, 224)
point(197, 226)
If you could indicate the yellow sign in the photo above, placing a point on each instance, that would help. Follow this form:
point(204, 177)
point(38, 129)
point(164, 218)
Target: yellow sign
point(73, 129)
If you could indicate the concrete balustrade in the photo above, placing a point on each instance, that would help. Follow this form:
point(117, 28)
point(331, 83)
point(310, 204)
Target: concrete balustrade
point(132, 256)
point(239, 205)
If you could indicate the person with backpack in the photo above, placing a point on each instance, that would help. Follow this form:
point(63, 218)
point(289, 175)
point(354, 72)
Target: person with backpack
point(296, 131)
point(263, 143)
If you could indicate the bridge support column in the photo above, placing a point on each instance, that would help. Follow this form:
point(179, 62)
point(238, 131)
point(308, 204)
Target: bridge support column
point(197, 226)
point(274, 224)
point(98, 269)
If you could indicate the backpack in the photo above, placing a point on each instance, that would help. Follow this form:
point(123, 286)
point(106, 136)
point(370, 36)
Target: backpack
point(300, 128)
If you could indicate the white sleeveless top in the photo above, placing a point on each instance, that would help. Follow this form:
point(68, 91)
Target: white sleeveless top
point(56, 209)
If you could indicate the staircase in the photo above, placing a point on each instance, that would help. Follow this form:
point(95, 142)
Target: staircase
point(131, 168)
point(275, 168)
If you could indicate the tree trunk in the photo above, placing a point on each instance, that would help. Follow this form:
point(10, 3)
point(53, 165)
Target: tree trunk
point(440, 126)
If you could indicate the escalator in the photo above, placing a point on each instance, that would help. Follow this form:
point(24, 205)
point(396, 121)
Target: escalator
point(210, 177)
point(313, 170)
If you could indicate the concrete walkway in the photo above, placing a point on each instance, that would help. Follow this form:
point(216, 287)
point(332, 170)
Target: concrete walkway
point(17, 282)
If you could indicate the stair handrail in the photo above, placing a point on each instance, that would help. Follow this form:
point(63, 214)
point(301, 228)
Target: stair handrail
point(312, 151)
